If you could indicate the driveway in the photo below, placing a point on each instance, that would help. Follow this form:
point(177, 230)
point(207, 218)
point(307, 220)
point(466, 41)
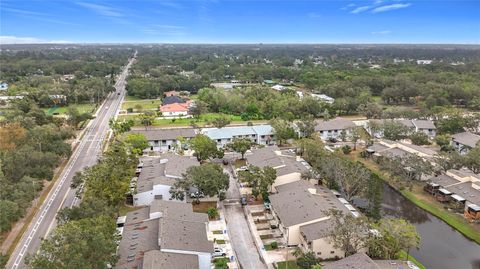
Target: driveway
point(238, 230)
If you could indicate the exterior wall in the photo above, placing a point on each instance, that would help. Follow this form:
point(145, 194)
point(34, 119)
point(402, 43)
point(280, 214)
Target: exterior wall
point(174, 113)
point(429, 132)
point(146, 198)
point(462, 149)
point(162, 145)
point(223, 142)
point(325, 250)
point(292, 234)
point(289, 178)
point(325, 135)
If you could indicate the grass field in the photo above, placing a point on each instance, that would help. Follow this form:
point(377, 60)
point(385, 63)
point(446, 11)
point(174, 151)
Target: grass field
point(403, 256)
point(205, 119)
point(291, 265)
point(145, 104)
point(82, 108)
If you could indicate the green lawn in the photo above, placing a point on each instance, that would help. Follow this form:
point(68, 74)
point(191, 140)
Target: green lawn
point(145, 104)
point(132, 98)
point(204, 119)
point(291, 265)
point(63, 109)
point(403, 256)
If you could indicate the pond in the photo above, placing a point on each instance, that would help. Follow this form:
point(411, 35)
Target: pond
point(441, 247)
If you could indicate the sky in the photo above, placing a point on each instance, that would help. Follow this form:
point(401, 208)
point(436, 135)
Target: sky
point(231, 21)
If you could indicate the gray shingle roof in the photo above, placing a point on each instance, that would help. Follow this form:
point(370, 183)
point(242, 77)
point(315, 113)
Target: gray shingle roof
point(156, 259)
point(284, 162)
point(294, 204)
point(467, 191)
point(356, 261)
point(335, 124)
point(394, 153)
point(166, 134)
point(444, 180)
point(185, 235)
point(466, 138)
point(316, 230)
point(424, 124)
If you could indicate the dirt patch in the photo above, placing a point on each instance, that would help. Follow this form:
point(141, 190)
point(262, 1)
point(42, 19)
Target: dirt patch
point(203, 207)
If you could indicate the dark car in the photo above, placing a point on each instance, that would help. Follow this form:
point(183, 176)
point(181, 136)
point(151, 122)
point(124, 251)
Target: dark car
point(225, 162)
point(243, 200)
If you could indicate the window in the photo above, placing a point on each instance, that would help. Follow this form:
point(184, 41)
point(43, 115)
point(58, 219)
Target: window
point(331, 252)
point(219, 140)
point(263, 137)
point(156, 142)
point(164, 141)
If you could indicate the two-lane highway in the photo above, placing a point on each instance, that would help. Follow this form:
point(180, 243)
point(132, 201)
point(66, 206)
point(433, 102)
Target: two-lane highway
point(61, 195)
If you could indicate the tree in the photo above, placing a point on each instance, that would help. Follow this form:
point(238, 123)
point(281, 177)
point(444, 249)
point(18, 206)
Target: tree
point(348, 233)
point(306, 126)
point(283, 130)
point(394, 236)
point(444, 142)
point(212, 212)
point(120, 127)
point(220, 122)
point(355, 136)
point(241, 145)
point(472, 159)
point(346, 149)
point(147, 118)
point(137, 142)
point(370, 110)
point(419, 138)
point(75, 117)
point(199, 109)
point(374, 196)
point(351, 176)
point(261, 179)
point(83, 244)
point(204, 148)
point(307, 260)
point(416, 167)
point(450, 160)
point(208, 179)
point(394, 130)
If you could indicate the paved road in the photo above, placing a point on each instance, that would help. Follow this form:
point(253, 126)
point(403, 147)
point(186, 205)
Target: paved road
point(238, 230)
point(61, 195)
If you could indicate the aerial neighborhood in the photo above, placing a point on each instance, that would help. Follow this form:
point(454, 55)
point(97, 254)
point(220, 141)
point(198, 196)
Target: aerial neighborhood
point(248, 156)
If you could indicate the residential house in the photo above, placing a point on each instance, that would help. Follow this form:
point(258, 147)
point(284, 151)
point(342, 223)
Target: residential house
point(174, 110)
point(278, 87)
point(288, 166)
point(165, 139)
point(323, 97)
point(464, 142)
point(375, 127)
point(173, 99)
point(334, 129)
point(158, 174)
point(258, 134)
point(388, 148)
point(165, 234)
point(362, 261)
point(425, 126)
point(171, 93)
point(301, 209)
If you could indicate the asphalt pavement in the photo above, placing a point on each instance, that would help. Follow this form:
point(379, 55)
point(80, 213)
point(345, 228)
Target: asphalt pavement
point(61, 195)
point(239, 232)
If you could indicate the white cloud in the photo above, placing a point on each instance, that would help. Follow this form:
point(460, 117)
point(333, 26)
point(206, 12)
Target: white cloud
point(383, 32)
point(102, 10)
point(360, 9)
point(165, 26)
point(6, 39)
point(22, 11)
point(313, 15)
point(390, 7)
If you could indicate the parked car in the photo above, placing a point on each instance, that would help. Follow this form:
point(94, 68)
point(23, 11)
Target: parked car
point(219, 252)
point(243, 168)
point(197, 194)
point(243, 200)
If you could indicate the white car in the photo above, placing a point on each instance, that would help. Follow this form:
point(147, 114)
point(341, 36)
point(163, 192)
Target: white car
point(219, 252)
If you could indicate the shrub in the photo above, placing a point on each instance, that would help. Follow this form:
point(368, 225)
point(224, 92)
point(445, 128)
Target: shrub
point(346, 149)
point(212, 212)
point(274, 245)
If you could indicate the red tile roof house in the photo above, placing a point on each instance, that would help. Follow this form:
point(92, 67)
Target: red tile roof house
point(174, 110)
